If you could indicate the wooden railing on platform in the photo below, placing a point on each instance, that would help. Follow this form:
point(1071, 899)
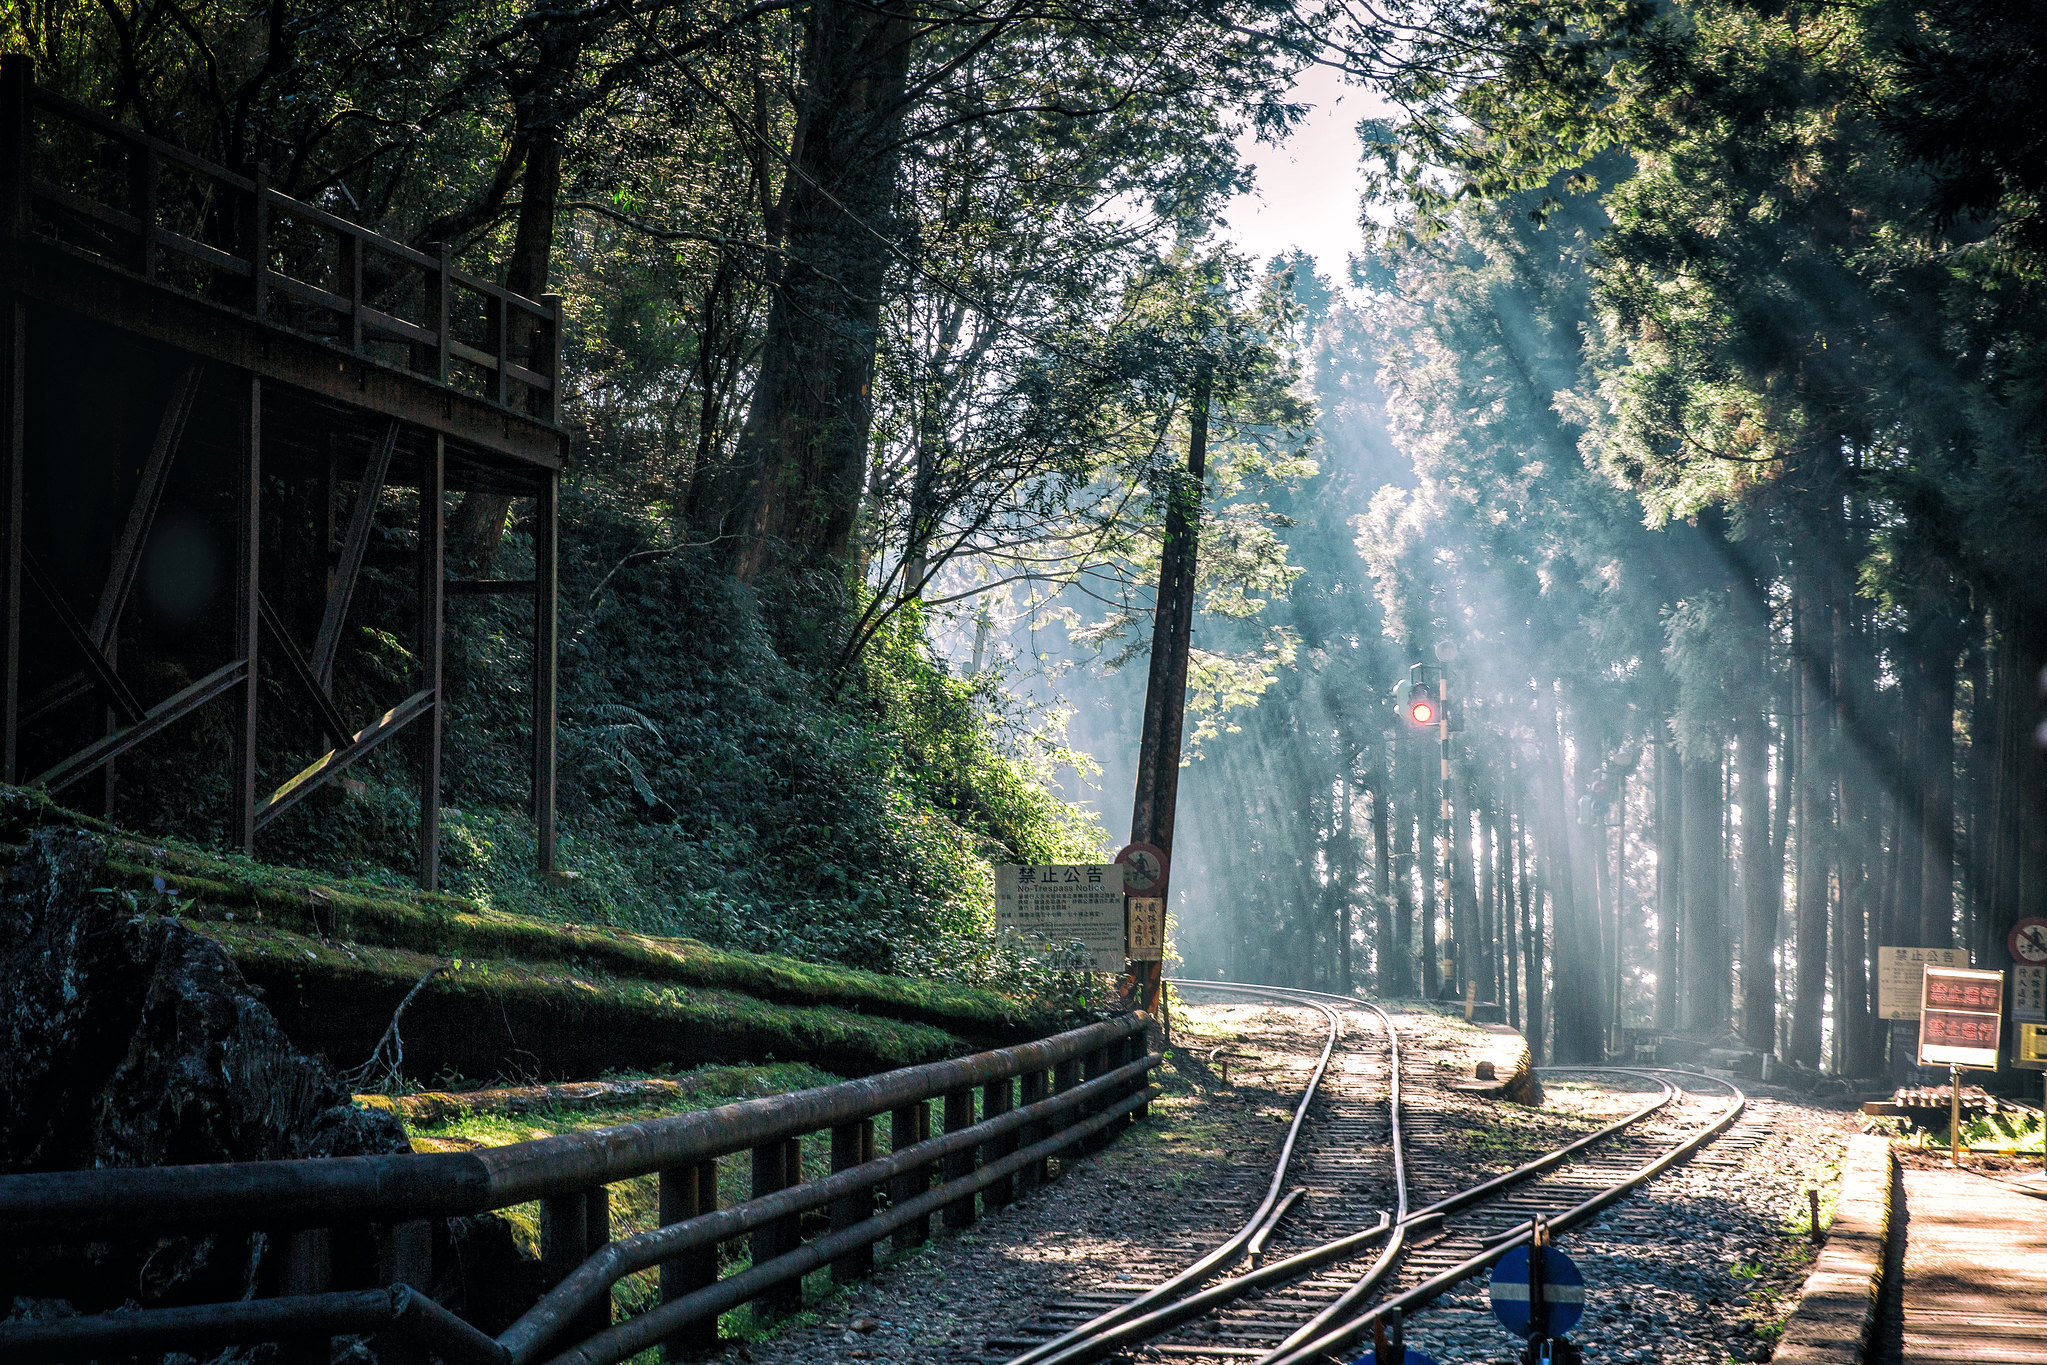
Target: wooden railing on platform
point(1037, 1100)
point(73, 176)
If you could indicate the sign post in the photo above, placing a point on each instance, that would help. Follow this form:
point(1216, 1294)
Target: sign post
point(1961, 1014)
point(1538, 1293)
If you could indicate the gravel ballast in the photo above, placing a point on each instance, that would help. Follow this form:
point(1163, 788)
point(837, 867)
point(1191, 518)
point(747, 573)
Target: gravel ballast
point(1703, 1266)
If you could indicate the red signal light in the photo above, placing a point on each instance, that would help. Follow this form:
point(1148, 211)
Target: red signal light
point(1422, 712)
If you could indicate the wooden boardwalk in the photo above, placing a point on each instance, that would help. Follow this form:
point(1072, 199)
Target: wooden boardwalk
point(1975, 1281)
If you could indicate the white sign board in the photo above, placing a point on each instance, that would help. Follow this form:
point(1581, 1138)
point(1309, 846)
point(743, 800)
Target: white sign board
point(1060, 903)
point(1147, 929)
point(1897, 977)
point(2029, 994)
point(1960, 1016)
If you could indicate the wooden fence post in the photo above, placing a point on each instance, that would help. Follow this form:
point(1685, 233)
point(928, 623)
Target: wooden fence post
point(853, 1145)
point(907, 1127)
point(959, 1114)
point(1034, 1089)
point(776, 1166)
point(997, 1098)
point(689, 1192)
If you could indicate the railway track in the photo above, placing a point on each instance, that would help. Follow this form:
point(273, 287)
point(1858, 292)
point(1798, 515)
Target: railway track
point(1390, 1222)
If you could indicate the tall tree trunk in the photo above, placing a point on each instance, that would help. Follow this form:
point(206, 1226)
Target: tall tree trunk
point(1854, 849)
point(2018, 875)
point(1977, 762)
point(1468, 934)
point(1810, 954)
point(1426, 821)
point(1489, 901)
point(1386, 975)
point(1515, 890)
point(791, 493)
point(1669, 882)
point(1762, 884)
point(1346, 842)
point(1405, 860)
point(1708, 958)
point(477, 528)
point(1534, 954)
point(1574, 951)
point(1937, 791)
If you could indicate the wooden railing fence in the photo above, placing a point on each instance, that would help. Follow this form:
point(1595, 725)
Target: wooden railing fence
point(76, 177)
point(1037, 1100)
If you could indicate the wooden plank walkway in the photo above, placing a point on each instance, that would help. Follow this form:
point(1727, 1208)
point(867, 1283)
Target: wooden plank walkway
point(1975, 1282)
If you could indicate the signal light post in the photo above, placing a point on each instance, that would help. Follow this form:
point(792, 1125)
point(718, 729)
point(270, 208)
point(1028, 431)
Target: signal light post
point(1428, 707)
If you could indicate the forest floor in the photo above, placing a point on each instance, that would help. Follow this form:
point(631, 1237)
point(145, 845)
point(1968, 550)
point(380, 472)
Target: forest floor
point(1716, 1287)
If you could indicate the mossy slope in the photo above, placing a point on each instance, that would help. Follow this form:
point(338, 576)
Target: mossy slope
point(498, 1017)
point(522, 996)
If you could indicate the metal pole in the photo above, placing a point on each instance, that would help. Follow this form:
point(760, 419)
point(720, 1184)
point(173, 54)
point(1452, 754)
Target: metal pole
point(1165, 694)
point(1954, 1114)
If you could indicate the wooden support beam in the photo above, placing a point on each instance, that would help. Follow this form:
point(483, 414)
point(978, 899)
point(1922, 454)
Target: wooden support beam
point(301, 672)
point(432, 566)
point(98, 666)
point(335, 618)
point(127, 559)
point(181, 704)
point(248, 487)
point(13, 458)
point(546, 532)
point(332, 762)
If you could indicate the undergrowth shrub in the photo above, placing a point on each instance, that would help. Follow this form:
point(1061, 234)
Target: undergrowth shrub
point(718, 777)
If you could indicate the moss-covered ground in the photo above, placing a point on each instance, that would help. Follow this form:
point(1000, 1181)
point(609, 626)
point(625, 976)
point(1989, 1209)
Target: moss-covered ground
point(511, 996)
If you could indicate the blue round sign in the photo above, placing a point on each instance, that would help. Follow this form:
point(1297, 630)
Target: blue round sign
point(1563, 1289)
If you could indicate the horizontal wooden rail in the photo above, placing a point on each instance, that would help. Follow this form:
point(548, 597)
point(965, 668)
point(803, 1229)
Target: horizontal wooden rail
point(230, 234)
point(209, 1326)
point(64, 1206)
point(594, 1279)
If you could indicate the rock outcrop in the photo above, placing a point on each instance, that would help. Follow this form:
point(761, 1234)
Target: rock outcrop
point(128, 1040)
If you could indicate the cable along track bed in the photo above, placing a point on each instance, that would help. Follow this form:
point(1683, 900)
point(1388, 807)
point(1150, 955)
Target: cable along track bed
point(1374, 1200)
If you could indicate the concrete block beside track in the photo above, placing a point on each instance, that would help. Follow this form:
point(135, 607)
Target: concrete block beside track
point(1836, 1315)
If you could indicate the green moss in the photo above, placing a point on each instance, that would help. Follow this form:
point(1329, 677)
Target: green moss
point(211, 887)
point(571, 1020)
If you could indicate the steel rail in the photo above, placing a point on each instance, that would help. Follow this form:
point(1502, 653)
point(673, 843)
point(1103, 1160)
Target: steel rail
point(1326, 1346)
point(626, 1339)
point(1100, 1343)
point(1263, 1219)
point(1104, 1336)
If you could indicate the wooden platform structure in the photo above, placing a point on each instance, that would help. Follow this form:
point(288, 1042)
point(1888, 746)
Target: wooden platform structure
point(194, 372)
point(1975, 1280)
